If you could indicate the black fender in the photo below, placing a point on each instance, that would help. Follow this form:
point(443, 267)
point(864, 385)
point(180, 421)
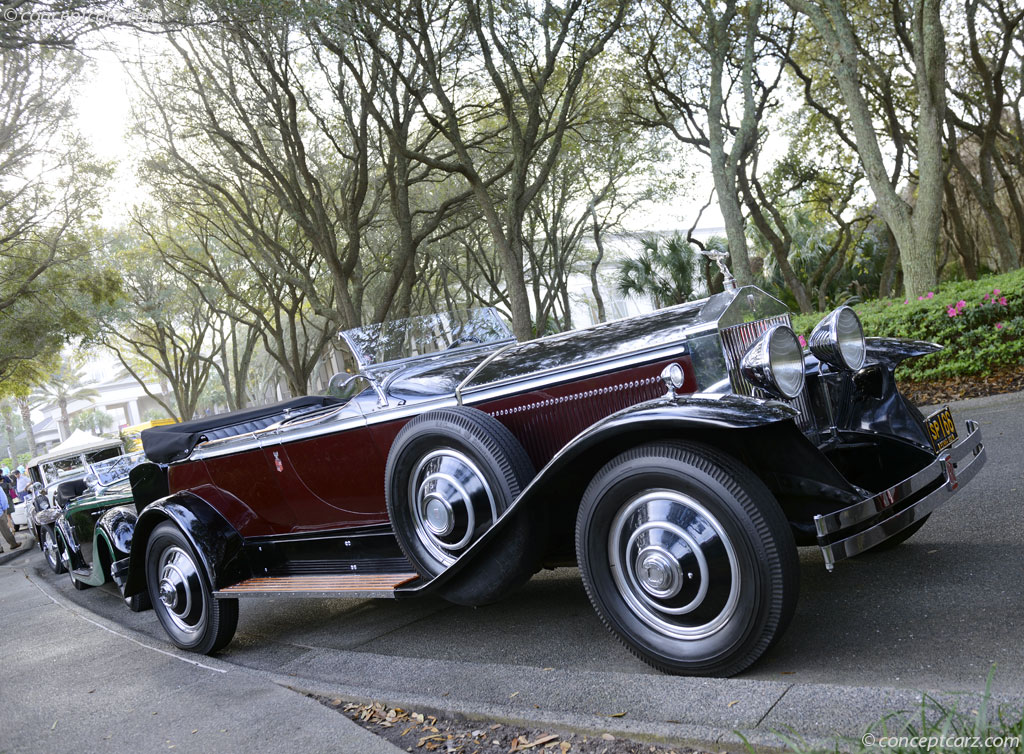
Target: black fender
point(875, 404)
point(562, 481)
point(890, 352)
point(215, 541)
point(115, 530)
point(64, 535)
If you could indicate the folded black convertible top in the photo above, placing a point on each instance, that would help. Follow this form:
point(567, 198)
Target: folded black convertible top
point(172, 442)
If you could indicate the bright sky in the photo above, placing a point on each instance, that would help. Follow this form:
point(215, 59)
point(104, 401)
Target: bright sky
point(104, 102)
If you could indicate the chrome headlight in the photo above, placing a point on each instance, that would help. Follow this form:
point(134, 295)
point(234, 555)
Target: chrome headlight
point(839, 340)
point(775, 362)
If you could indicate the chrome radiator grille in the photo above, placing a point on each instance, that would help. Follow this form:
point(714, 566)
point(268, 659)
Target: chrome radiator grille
point(735, 341)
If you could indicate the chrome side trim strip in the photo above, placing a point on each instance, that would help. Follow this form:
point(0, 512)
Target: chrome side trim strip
point(558, 375)
point(478, 368)
point(253, 441)
point(554, 376)
point(950, 467)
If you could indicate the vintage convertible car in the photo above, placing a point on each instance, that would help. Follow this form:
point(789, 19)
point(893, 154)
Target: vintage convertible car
point(68, 462)
point(90, 523)
point(678, 457)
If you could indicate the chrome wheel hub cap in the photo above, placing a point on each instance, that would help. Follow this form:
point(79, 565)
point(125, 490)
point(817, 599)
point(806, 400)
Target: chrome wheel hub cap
point(180, 590)
point(674, 564)
point(50, 548)
point(451, 503)
point(658, 573)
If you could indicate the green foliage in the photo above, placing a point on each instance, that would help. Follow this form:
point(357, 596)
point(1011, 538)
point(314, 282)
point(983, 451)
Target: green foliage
point(20, 460)
point(982, 335)
point(663, 271)
point(154, 414)
point(935, 726)
point(93, 420)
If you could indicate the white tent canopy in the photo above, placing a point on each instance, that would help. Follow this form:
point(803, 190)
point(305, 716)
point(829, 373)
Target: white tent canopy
point(79, 442)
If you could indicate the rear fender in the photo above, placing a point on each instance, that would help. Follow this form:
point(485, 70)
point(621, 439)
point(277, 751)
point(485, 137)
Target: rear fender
point(215, 541)
point(727, 421)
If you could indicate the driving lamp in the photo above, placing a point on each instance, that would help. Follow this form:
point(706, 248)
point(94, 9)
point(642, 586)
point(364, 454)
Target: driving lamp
point(839, 340)
point(775, 363)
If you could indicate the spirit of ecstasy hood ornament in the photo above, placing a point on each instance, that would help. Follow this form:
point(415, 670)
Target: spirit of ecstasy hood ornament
point(719, 256)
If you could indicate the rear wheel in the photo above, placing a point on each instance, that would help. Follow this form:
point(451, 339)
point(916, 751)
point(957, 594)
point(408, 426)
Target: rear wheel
point(138, 602)
point(181, 595)
point(451, 474)
point(687, 558)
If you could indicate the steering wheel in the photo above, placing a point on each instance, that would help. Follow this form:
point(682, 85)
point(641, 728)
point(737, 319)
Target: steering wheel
point(463, 339)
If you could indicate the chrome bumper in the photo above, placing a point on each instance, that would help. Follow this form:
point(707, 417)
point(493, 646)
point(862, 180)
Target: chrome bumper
point(953, 467)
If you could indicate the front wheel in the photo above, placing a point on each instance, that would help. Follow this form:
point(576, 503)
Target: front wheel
point(181, 595)
point(687, 558)
point(51, 550)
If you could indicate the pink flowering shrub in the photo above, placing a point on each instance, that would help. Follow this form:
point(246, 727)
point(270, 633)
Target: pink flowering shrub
point(980, 323)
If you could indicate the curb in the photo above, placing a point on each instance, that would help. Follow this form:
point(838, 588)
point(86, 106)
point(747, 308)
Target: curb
point(28, 544)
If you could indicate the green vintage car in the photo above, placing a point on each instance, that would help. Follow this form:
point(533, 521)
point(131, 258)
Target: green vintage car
point(93, 528)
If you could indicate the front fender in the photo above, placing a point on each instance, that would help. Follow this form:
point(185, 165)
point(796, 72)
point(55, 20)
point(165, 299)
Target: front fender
point(562, 481)
point(892, 351)
point(215, 541)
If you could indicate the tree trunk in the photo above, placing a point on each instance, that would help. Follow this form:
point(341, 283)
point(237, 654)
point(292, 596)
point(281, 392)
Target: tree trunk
point(26, 421)
point(916, 229)
point(11, 432)
point(724, 167)
point(779, 246)
point(594, 283)
point(961, 238)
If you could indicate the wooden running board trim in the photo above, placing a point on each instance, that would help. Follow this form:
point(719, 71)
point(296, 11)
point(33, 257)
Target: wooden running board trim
point(331, 585)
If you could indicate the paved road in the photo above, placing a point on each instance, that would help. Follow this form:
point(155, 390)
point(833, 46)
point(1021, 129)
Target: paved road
point(935, 613)
point(76, 682)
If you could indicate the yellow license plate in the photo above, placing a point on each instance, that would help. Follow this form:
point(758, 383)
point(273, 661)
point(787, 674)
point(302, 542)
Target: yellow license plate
point(941, 429)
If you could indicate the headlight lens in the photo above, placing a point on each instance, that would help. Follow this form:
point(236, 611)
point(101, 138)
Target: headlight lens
point(839, 340)
point(774, 362)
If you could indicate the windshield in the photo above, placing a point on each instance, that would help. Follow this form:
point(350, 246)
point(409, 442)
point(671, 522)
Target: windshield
point(72, 466)
point(105, 473)
point(417, 336)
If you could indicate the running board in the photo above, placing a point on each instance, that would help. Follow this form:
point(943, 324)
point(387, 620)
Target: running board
point(339, 585)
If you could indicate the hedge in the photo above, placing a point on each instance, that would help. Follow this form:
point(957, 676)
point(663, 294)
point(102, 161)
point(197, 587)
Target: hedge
point(980, 323)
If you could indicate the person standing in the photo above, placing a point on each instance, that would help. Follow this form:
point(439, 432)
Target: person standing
point(5, 530)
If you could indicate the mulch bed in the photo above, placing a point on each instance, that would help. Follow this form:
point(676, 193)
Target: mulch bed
point(934, 392)
point(416, 732)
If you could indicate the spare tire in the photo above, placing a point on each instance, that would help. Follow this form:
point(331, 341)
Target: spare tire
point(450, 475)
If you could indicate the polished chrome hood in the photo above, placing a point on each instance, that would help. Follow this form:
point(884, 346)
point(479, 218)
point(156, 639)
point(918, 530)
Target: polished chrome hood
point(693, 327)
